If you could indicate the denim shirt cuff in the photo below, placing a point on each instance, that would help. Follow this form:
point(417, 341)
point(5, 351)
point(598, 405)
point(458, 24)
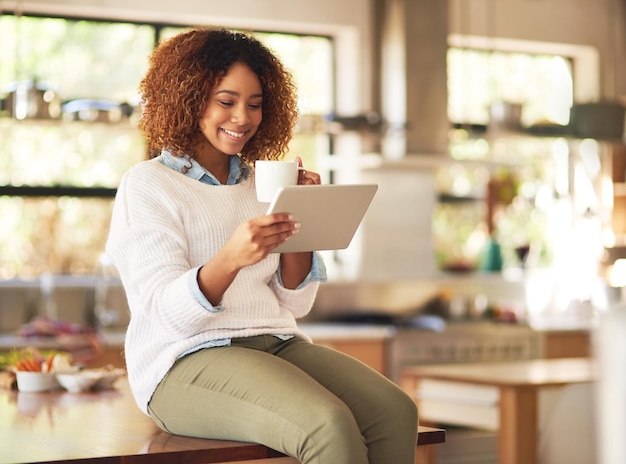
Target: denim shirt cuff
point(316, 274)
point(199, 296)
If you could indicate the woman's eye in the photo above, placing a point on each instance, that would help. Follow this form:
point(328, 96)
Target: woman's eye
point(226, 103)
point(255, 106)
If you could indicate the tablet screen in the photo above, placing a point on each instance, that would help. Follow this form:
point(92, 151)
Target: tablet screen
point(329, 215)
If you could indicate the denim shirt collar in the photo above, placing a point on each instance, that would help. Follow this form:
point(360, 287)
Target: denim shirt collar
point(188, 166)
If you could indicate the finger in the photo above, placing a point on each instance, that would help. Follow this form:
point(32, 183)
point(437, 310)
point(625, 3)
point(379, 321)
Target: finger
point(275, 218)
point(276, 227)
point(278, 233)
point(310, 178)
point(301, 175)
point(261, 235)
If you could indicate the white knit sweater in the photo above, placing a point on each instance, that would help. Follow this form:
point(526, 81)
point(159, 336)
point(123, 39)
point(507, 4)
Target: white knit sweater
point(164, 227)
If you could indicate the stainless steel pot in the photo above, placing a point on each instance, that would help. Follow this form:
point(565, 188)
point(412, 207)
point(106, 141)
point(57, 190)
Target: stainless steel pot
point(505, 116)
point(32, 100)
point(96, 110)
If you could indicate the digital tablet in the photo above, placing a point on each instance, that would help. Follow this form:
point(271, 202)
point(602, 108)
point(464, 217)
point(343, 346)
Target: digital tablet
point(329, 215)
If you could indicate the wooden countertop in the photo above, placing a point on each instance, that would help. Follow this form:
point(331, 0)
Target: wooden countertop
point(106, 427)
point(536, 372)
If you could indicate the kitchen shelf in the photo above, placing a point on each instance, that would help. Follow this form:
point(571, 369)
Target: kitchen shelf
point(124, 124)
point(57, 191)
point(456, 199)
point(482, 131)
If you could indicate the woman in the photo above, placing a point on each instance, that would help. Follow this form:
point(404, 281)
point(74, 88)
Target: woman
point(212, 348)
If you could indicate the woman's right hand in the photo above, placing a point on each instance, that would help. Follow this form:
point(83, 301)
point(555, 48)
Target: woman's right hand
point(252, 241)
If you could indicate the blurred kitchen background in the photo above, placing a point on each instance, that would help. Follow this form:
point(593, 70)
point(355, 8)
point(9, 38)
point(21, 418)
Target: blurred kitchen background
point(494, 128)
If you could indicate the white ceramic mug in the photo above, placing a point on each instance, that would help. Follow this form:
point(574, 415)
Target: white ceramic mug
point(271, 175)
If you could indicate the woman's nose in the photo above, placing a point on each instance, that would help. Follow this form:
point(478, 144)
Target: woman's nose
point(240, 115)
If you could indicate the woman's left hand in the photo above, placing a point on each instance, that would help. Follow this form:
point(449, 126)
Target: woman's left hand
point(307, 177)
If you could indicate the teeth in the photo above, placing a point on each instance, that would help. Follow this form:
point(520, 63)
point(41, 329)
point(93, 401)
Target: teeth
point(234, 134)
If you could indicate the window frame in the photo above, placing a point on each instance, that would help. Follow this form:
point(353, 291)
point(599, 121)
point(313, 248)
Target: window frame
point(158, 26)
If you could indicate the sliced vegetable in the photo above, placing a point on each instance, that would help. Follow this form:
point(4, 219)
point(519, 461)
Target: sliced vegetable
point(29, 365)
point(32, 360)
point(46, 365)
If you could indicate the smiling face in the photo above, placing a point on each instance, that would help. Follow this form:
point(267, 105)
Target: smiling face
point(234, 111)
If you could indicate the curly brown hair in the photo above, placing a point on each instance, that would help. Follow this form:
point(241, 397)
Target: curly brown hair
point(183, 71)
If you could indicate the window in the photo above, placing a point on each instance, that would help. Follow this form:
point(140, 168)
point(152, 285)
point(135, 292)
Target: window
point(542, 83)
point(78, 58)
point(58, 175)
point(545, 188)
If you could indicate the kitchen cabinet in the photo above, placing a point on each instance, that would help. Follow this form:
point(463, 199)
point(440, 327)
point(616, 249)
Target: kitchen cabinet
point(567, 344)
point(371, 346)
point(372, 352)
point(367, 345)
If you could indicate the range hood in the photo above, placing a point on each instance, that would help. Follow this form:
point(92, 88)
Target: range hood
point(413, 38)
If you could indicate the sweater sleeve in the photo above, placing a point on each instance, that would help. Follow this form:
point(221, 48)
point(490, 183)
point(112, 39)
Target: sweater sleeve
point(298, 302)
point(148, 247)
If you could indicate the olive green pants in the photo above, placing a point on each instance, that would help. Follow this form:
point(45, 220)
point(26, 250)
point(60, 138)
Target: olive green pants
point(307, 401)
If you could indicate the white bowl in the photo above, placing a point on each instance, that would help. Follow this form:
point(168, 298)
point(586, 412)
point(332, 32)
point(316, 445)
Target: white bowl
point(36, 381)
point(79, 381)
point(108, 378)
